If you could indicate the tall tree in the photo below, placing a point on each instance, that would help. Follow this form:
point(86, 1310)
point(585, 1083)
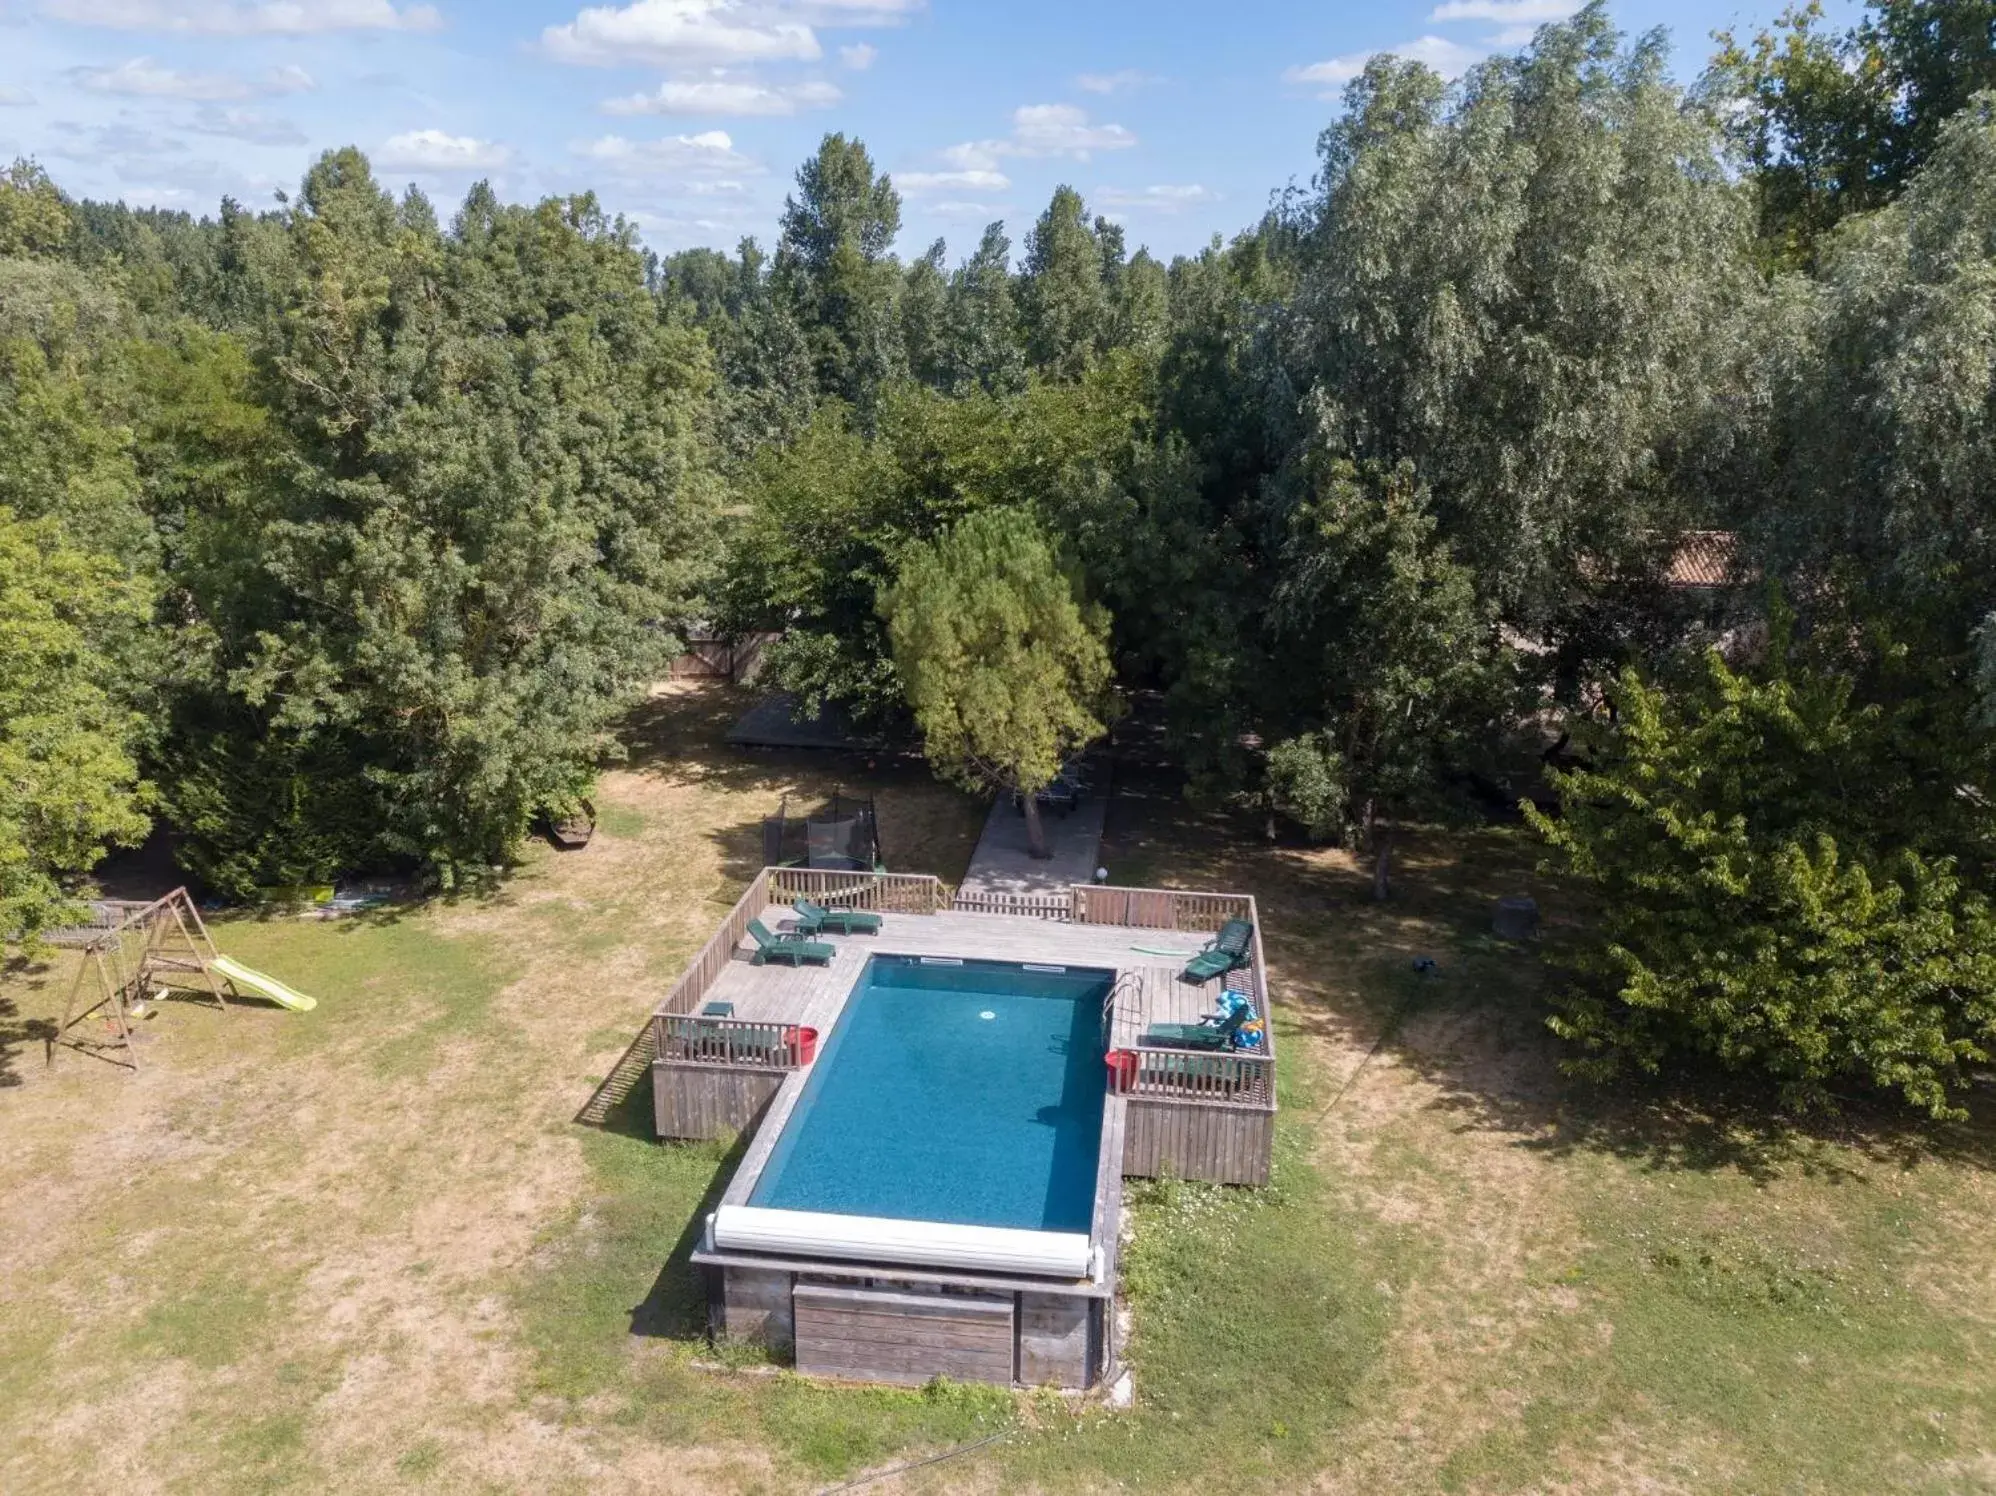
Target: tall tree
point(983, 349)
point(69, 779)
point(492, 516)
point(1006, 669)
point(1397, 680)
point(925, 330)
point(1528, 290)
point(1063, 306)
point(768, 383)
point(1867, 488)
point(833, 266)
point(34, 220)
point(1832, 123)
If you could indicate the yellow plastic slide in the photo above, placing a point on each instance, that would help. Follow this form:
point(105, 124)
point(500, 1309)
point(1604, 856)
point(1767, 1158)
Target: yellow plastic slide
point(263, 986)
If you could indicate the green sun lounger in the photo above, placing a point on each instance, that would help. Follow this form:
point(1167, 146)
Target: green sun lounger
point(816, 919)
point(789, 948)
point(1227, 950)
point(1218, 1035)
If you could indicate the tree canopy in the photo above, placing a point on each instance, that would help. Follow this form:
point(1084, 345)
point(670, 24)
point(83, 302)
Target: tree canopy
point(1005, 668)
point(357, 524)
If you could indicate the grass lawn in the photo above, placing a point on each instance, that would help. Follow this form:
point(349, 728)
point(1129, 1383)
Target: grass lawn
point(368, 1248)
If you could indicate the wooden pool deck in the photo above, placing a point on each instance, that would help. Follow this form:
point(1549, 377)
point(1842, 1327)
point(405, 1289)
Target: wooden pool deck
point(1192, 1114)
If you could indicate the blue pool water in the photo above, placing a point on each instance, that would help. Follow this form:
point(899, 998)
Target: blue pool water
point(967, 1093)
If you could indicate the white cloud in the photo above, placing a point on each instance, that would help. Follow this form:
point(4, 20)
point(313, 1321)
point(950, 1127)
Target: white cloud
point(247, 125)
point(433, 150)
point(1037, 130)
point(696, 33)
point(1120, 81)
point(245, 17)
point(1158, 199)
point(142, 78)
point(982, 212)
point(1444, 56)
point(708, 155)
point(1505, 12)
point(14, 98)
point(974, 179)
point(1063, 130)
point(859, 57)
point(740, 96)
point(679, 33)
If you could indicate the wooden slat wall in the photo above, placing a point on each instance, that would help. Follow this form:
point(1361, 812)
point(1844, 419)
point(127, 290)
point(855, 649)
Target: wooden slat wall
point(754, 1306)
point(1219, 1144)
point(709, 1101)
point(1055, 1336)
point(880, 1335)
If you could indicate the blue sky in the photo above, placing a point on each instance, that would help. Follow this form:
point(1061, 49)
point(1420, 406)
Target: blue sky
point(1178, 117)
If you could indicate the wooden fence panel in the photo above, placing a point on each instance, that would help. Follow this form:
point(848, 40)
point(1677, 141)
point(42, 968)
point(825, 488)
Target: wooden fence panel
point(883, 1335)
point(704, 1101)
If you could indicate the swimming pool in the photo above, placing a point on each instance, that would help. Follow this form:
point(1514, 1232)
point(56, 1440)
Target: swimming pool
point(968, 1093)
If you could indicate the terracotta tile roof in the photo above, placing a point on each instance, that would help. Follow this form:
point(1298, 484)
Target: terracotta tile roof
point(1704, 558)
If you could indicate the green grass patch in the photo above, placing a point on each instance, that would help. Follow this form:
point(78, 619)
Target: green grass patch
point(211, 1323)
point(620, 821)
point(267, 1451)
point(420, 1461)
point(395, 987)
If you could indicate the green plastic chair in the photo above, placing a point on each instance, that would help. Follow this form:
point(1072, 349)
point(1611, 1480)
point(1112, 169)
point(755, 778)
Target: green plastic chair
point(816, 919)
point(1197, 1035)
point(1230, 948)
point(770, 947)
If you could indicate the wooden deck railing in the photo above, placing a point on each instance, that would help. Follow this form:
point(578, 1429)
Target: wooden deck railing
point(1058, 907)
point(691, 1038)
point(884, 893)
point(1234, 1077)
point(1158, 908)
point(705, 968)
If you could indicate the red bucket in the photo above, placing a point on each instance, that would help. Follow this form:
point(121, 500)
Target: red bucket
point(1122, 1065)
point(804, 1041)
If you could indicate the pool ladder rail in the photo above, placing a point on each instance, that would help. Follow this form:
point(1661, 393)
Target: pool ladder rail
point(1133, 981)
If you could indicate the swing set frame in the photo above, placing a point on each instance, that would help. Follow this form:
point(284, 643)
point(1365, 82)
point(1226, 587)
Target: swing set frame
point(128, 948)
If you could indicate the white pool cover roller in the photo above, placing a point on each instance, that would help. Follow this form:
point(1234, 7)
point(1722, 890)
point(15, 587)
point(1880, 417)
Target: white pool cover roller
point(981, 1249)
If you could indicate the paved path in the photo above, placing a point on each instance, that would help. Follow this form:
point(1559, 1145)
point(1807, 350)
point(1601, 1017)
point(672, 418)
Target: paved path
point(1001, 863)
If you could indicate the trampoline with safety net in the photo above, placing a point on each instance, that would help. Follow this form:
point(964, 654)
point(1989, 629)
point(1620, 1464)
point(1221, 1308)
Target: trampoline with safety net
point(842, 834)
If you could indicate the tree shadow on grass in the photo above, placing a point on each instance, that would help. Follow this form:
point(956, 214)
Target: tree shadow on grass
point(18, 1031)
point(1476, 1032)
point(1342, 970)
